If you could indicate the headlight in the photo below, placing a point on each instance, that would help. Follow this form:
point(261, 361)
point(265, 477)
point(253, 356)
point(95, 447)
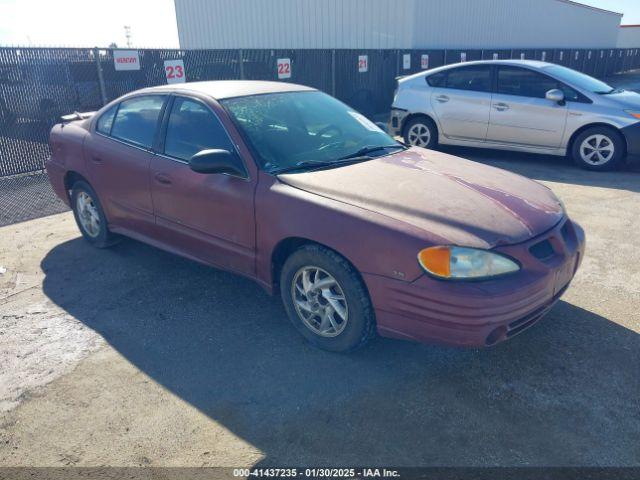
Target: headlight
point(633, 113)
point(464, 263)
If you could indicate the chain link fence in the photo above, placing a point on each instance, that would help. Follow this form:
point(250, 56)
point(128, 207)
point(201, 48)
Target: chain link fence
point(38, 85)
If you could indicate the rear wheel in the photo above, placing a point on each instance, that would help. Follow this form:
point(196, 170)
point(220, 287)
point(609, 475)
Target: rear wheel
point(89, 216)
point(421, 132)
point(326, 300)
point(599, 149)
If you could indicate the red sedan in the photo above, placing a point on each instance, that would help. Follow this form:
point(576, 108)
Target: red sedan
point(286, 185)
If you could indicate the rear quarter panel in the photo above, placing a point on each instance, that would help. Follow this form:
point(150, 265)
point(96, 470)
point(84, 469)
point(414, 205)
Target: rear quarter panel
point(66, 142)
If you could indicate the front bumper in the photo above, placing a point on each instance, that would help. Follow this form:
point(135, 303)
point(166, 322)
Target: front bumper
point(481, 313)
point(632, 136)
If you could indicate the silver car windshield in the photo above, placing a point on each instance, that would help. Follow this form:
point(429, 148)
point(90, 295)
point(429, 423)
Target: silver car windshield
point(305, 128)
point(577, 79)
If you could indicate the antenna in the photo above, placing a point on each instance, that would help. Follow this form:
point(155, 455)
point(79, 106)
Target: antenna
point(127, 33)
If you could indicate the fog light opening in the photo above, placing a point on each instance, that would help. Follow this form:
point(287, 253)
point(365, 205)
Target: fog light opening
point(496, 335)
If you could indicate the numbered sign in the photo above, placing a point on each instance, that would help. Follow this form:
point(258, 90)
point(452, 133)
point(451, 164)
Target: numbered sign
point(284, 68)
point(495, 56)
point(126, 60)
point(406, 61)
point(424, 62)
point(463, 56)
point(363, 63)
point(174, 71)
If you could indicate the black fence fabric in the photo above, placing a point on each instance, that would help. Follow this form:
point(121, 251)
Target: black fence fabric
point(38, 85)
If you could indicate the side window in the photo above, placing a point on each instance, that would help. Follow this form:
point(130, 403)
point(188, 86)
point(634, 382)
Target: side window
point(192, 127)
point(137, 119)
point(437, 79)
point(105, 121)
point(524, 83)
point(475, 78)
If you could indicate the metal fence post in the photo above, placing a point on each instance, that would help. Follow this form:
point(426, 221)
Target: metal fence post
point(103, 90)
point(241, 63)
point(333, 72)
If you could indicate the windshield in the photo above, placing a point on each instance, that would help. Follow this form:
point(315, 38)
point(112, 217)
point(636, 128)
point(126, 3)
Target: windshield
point(577, 79)
point(295, 128)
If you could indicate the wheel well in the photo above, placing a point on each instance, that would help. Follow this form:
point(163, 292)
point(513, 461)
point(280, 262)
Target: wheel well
point(591, 125)
point(286, 247)
point(70, 178)
point(410, 117)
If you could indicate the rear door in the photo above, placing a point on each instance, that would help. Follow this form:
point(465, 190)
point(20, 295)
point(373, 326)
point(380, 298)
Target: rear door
point(520, 113)
point(206, 216)
point(119, 153)
point(462, 102)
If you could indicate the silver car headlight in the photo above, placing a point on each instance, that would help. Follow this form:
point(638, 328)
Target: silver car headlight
point(462, 263)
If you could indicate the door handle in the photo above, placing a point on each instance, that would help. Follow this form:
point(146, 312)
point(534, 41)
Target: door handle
point(501, 107)
point(162, 178)
point(96, 159)
point(442, 98)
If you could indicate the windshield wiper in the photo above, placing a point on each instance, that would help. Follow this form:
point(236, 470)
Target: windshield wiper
point(613, 90)
point(364, 151)
point(319, 164)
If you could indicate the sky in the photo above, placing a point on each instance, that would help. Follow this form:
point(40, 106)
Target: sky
point(89, 23)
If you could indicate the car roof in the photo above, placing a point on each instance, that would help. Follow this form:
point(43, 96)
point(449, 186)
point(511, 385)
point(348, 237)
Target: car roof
point(221, 89)
point(518, 62)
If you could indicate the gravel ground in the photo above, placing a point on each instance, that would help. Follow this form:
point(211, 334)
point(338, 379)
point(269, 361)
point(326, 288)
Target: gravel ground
point(131, 356)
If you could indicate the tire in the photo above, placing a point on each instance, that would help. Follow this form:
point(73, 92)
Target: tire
point(604, 140)
point(355, 327)
point(101, 237)
point(421, 131)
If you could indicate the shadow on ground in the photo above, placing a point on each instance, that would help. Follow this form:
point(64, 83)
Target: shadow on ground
point(559, 394)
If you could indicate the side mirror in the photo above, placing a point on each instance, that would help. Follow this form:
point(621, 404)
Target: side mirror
point(555, 95)
point(216, 161)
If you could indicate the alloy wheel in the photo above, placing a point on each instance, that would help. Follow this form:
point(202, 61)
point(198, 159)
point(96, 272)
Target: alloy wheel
point(419, 135)
point(319, 301)
point(597, 149)
point(88, 214)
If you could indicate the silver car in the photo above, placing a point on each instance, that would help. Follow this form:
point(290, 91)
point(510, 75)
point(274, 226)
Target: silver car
point(519, 105)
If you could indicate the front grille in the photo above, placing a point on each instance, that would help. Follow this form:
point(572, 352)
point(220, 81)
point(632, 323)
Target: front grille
point(542, 250)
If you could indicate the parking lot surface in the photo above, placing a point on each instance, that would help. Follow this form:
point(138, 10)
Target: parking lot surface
point(131, 356)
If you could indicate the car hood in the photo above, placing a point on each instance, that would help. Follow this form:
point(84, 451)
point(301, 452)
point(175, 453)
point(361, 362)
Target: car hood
point(625, 99)
point(453, 200)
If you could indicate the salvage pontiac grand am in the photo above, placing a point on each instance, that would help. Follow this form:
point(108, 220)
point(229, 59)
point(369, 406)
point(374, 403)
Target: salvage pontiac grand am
point(286, 185)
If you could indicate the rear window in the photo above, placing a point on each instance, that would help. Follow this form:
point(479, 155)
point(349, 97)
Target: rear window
point(106, 120)
point(137, 119)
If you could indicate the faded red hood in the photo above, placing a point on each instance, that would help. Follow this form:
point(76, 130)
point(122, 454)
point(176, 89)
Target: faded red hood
point(459, 201)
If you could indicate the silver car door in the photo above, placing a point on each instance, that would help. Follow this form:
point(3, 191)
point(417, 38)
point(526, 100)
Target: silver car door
point(463, 102)
point(520, 113)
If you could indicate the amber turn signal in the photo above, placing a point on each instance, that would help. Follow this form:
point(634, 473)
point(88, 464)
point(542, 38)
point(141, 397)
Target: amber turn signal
point(436, 260)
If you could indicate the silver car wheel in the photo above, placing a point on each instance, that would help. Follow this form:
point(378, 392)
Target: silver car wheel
point(597, 149)
point(88, 214)
point(319, 301)
point(419, 135)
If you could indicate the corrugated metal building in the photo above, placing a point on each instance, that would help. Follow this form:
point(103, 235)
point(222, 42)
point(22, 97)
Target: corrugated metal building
point(396, 24)
point(629, 36)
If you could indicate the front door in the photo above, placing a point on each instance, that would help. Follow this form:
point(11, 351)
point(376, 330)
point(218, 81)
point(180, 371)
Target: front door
point(209, 217)
point(463, 101)
point(118, 159)
point(520, 113)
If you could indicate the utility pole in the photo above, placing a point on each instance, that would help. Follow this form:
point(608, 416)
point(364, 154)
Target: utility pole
point(127, 34)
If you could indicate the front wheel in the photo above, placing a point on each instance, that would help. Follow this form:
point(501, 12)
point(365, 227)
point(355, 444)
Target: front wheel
point(599, 149)
point(326, 300)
